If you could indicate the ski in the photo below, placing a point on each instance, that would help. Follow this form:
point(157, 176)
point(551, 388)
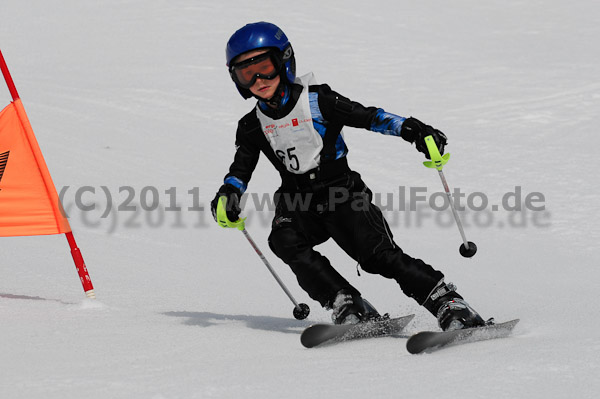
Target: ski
point(429, 341)
point(318, 334)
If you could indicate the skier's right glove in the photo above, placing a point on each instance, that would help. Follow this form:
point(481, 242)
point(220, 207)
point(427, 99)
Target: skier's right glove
point(232, 207)
point(415, 131)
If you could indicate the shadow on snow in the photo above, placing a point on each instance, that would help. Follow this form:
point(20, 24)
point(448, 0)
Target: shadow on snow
point(267, 323)
point(33, 298)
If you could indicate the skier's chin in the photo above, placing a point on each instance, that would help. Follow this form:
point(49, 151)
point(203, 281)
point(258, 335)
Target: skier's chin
point(266, 100)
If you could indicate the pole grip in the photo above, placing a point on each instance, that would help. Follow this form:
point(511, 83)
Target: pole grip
point(222, 218)
point(437, 160)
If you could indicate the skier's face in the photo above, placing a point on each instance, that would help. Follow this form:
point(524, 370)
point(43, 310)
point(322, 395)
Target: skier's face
point(263, 87)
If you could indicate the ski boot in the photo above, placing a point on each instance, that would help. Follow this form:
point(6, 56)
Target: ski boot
point(451, 310)
point(350, 308)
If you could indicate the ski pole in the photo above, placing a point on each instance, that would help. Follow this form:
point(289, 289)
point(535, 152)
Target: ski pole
point(467, 248)
point(301, 310)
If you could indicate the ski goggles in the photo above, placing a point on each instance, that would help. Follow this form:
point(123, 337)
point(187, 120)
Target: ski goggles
point(263, 66)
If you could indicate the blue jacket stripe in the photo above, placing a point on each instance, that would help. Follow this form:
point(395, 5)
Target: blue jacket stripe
point(387, 123)
point(235, 182)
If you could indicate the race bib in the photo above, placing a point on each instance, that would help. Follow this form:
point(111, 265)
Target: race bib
point(293, 138)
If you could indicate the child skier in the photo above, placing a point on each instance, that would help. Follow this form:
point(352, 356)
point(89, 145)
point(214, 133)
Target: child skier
point(297, 124)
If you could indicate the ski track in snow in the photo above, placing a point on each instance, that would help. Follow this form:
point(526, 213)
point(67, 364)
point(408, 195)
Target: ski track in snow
point(135, 93)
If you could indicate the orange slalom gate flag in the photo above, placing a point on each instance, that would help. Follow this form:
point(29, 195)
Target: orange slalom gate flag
point(29, 203)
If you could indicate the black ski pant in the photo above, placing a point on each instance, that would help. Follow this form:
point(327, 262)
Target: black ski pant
point(358, 227)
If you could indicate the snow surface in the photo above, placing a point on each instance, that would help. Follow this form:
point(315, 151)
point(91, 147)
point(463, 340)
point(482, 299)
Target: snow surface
point(135, 93)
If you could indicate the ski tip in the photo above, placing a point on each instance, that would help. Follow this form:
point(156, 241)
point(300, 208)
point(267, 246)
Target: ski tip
point(315, 335)
point(414, 345)
point(307, 344)
point(322, 334)
point(428, 341)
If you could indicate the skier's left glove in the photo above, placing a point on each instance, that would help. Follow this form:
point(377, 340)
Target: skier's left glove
point(415, 131)
point(232, 206)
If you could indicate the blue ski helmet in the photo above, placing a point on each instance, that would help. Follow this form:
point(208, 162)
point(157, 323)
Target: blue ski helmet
point(262, 35)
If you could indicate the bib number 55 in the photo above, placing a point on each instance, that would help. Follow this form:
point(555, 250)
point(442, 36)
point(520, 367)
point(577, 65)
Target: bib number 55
point(288, 158)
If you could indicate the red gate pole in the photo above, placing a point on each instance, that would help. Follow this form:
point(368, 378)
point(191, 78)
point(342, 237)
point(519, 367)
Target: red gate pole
point(84, 276)
point(8, 78)
point(81, 268)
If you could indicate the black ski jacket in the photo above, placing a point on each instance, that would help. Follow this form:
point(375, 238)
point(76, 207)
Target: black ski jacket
point(336, 111)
